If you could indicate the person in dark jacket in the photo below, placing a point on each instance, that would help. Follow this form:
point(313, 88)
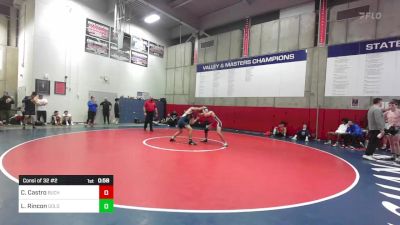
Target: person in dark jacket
point(30, 109)
point(303, 134)
point(116, 111)
point(172, 119)
point(106, 110)
point(5, 107)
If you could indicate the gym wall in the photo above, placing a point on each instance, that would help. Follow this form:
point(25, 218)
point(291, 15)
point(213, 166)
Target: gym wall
point(52, 43)
point(8, 70)
point(8, 52)
point(292, 32)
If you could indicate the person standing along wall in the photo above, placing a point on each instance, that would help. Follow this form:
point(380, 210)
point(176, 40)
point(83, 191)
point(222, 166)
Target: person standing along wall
point(92, 109)
point(30, 103)
point(116, 111)
point(149, 109)
point(41, 109)
point(5, 107)
point(106, 110)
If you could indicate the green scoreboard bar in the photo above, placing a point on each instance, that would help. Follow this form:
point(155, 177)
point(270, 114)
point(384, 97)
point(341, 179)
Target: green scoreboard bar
point(66, 194)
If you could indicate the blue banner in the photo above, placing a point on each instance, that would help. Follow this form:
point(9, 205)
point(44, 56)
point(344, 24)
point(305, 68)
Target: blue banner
point(285, 57)
point(365, 47)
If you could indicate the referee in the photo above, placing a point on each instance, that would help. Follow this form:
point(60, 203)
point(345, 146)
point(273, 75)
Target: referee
point(149, 109)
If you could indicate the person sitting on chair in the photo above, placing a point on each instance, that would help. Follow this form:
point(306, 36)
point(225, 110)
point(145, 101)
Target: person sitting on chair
point(354, 135)
point(338, 134)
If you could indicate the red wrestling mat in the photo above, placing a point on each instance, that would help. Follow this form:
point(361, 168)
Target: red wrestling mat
point(253, 173)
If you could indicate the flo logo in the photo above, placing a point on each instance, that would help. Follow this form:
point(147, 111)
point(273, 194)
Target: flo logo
point(371, 15)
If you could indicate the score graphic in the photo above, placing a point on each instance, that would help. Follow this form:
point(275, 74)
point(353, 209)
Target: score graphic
point(66, 194)
point(106, 198)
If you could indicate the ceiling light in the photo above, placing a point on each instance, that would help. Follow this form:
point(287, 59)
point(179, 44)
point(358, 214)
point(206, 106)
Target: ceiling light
point(152, 18)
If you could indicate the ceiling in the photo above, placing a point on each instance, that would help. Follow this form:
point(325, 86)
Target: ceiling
point(6, 2)
point(5, 7)
point(200, 15)
point(181, 17)
point(136, 12)
point(200, 8)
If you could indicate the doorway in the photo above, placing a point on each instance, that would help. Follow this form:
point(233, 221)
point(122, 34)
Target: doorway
point(100, 96)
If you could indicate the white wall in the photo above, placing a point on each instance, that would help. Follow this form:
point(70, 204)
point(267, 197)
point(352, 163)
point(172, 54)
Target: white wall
point(58, 51)
point(3, 30)
point(25, 48)
point(8, 70)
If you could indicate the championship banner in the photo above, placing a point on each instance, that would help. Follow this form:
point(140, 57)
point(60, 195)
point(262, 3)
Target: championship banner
point(156, 50)
point(97, 46)
point(117, 54)
point(139, 58)
point(277, 75)
point(322, 22)
point(97, 29)
point(139, 45)
point(246, 37)
point(196, 51)
point(368, 68)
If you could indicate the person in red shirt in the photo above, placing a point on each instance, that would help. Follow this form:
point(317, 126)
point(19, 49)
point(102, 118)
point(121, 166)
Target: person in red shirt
point(149, 109)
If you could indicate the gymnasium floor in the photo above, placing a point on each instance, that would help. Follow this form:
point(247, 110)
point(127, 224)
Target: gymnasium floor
point(256, 180)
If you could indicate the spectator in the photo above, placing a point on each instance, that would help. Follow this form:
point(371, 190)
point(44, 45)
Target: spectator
point(354, 136)
point(29, 113)
point(280, 130)
point(172, 119)
point(174, 114)
point(393, 119)
point(56, 119)
point(116, 111)
point(338, 134)
point(5, 107)
point(92, 109)
point(67, 118)
point(303, 134)
point(376, 126)
point(17, 118)
point(164, 120)
point(106, 110)
point(41, 109)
